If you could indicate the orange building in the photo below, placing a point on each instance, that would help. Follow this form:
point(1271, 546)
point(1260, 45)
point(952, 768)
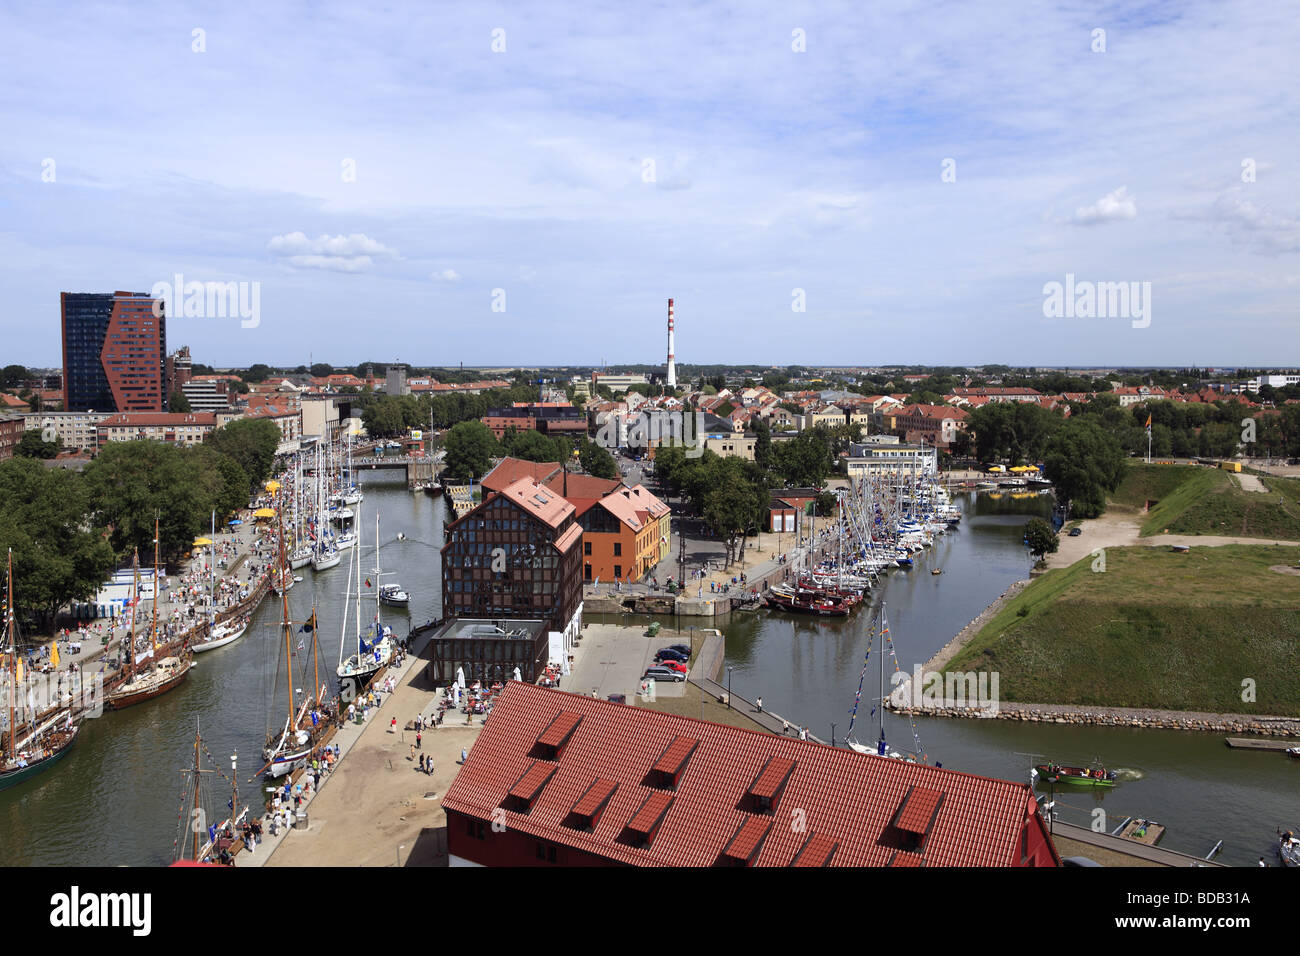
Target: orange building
point(624, 535)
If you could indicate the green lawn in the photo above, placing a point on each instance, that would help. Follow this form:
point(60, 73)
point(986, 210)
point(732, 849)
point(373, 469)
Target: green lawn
point(1198, 500)
point(1157, 629)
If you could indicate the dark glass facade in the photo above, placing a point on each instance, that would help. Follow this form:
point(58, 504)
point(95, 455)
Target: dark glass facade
point(536, 579)
point(114, 353)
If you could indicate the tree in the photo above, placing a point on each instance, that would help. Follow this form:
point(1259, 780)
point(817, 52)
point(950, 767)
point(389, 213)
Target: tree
point(1040, 537)
point(804, 460)
point(14, 376)
point(470, 449)
point(32, 445)
point(322, 370)
point(763, 445)
point(251, 443)
point(1084, 462)
point(59, 556)
point(178, 402)
point(596, 460)
point(730, 506)
point(131, 483)
point(384, 417)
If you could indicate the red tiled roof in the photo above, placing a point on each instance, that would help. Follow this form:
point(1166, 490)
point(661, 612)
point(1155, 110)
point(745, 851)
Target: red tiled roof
point(817, 851)
point(560, 728)
point(772, 777)
point(534, 779)
point(596, 795)
point(917, 812)
point(748, 838)
point(511, 470)
point(651, 812)
point(845, 797)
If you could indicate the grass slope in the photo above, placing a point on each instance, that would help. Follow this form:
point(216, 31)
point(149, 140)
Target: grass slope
point(1198, 500)
point(1157, 629)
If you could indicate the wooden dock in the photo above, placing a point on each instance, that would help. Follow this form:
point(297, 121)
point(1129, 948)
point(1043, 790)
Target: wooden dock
point(461, 498)
point(1146, 832)
point(1255, 743)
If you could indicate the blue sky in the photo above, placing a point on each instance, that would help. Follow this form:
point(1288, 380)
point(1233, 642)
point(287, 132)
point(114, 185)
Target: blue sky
point(774, 170)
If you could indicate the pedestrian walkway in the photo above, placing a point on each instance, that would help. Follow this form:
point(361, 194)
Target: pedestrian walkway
point(766, 719)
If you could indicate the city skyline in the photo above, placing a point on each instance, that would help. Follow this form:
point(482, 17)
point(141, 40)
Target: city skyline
point(914, 178)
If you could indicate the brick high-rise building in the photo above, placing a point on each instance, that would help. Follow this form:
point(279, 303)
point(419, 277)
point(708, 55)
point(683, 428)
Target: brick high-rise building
point(114, 353)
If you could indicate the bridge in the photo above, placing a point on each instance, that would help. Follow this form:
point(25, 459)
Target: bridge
point(419, 469)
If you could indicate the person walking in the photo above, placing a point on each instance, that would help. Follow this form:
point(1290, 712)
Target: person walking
point(464, 755)
point(760, 703)
point(412, 751)
point(418, 738)
point(785, 728)
point(392, 726)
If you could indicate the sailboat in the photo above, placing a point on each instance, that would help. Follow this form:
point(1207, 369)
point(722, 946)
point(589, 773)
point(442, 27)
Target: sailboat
point(393, 595)
point(28, 753)
point(291, 746)
point(881, 748)
point(374, 648)
point(167, 672)
point(301, 555)
point(217, 635)
point(326, 555)
point(203, 841)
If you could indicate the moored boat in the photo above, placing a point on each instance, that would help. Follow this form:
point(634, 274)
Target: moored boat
point(1096, 776)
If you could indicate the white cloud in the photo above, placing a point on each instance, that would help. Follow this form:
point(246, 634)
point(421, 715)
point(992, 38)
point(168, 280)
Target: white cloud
point(1109, 208)
point(353, 253)
point(446, 275)
point(1256, 227)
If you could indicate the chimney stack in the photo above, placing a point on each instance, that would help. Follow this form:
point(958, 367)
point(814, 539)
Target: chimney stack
point(672, 366)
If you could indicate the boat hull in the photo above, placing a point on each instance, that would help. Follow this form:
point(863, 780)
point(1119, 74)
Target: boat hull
point(13, 778)
point(200, 647)
point(123, 699)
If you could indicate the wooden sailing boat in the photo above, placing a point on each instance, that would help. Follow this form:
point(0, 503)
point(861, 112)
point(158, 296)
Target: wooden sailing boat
point(217, 635)
point(27, 753)
point(167, 671)
point(291, 747)
point(200, 843)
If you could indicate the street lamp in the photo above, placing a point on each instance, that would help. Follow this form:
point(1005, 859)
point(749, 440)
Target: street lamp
point(729, 669)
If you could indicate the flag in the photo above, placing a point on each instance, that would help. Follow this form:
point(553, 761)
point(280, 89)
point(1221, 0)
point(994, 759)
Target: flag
point(1148, 425)
point(367, 582)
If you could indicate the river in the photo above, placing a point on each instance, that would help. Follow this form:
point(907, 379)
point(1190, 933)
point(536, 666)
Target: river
point(116, 798)
point(807, 669)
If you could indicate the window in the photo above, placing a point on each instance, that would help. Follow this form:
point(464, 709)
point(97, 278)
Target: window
point(618, 570)
point(475, 828)
point(545, 852)
point(618, 549)
point(586, 547)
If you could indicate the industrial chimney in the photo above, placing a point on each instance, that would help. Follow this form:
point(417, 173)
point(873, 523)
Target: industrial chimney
point(672, 366)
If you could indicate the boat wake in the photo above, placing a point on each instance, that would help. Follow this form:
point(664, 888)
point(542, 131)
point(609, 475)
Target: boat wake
point(1128, 773)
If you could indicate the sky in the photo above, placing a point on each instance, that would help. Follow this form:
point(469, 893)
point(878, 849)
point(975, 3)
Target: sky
point(813, 183)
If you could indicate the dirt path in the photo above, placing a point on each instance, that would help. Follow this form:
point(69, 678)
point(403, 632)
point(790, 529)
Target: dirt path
point(1120, 530)
point(1250, 483)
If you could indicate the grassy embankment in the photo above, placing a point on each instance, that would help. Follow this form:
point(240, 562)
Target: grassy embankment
point(1197, 500)
point(1156, 629)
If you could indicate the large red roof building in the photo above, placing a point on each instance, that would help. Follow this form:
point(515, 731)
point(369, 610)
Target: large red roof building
point(560, 779)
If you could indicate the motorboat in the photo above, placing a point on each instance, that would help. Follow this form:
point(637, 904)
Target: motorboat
point(393, 595)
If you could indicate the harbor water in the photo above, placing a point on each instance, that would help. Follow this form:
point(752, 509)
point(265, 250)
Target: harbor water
point(117, 797)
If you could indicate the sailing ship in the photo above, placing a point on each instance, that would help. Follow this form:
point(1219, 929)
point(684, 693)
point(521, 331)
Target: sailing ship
point(204, 841)
point(374, 646)
point(27, 753)
point(392, 595)
point(168, 670)
point(881, 747)
point(217, 635)
point(291, 746)
point(325, 554)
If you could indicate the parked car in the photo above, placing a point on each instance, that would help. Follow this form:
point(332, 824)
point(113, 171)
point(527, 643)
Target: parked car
point(680, 649)
point(664, 673)
point(667, 655)
point(1075, 532)
point(673, 665)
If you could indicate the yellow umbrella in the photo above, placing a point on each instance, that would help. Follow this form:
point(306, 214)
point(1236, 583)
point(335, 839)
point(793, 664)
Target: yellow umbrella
point(272, 485)
point(201, 542)
point(264, 513)
point(54, 653)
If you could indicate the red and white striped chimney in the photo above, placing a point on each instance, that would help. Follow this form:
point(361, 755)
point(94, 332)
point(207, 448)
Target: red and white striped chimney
point(672, 366)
